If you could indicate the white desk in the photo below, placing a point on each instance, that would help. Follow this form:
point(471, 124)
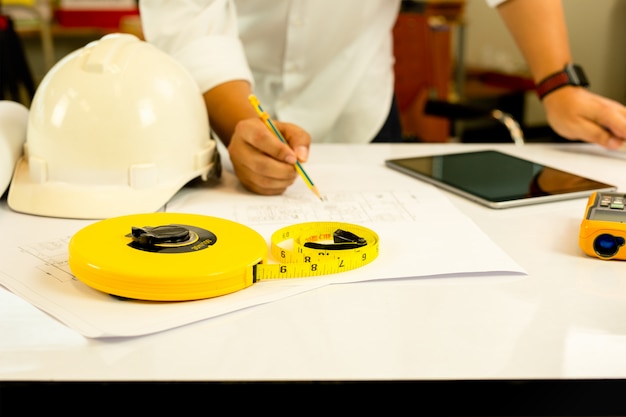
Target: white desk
point(564, 320)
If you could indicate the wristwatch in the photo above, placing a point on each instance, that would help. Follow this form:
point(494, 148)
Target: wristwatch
point(571, 74)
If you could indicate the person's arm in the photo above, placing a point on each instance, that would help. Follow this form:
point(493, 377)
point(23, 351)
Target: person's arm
point(261, 161)
point(204, 38)
point(539, 30)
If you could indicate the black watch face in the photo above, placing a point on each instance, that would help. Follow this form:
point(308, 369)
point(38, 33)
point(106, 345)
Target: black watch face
point(576, 75)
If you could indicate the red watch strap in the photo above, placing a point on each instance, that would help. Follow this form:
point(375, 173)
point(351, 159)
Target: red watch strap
point(552, 82)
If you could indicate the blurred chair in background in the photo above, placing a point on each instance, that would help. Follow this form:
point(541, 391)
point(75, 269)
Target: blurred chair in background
point(16, 80)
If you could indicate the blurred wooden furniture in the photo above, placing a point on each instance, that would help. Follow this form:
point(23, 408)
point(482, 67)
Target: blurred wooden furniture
point(40, 18)
point(425, 67)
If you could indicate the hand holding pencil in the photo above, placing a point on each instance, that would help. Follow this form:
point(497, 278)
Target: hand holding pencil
point(272, 127)
point(261, 162)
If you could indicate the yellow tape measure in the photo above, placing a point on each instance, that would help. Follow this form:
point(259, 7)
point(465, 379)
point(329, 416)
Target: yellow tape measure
point(318, 248)
point(178, 257)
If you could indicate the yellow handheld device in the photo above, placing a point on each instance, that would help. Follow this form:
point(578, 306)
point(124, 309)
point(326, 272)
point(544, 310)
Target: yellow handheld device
point(179, 257)
point(603, 229)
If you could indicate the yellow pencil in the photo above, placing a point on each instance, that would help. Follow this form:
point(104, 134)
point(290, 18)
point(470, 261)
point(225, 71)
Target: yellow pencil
point(270, 125)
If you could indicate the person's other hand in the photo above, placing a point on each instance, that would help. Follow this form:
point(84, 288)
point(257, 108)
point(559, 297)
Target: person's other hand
point(264, 164)
point(578, 114)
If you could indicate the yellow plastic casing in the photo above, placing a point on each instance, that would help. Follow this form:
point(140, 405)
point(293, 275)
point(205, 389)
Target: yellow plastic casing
point(101, 256)
point(591, 229)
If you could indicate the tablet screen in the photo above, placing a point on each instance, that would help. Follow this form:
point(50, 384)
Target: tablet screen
point(498, 179)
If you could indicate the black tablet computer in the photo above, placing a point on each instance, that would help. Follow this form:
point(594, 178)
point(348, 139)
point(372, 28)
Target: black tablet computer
point(496, 179)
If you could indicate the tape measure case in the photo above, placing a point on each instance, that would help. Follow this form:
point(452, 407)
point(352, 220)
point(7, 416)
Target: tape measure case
point(166, 256)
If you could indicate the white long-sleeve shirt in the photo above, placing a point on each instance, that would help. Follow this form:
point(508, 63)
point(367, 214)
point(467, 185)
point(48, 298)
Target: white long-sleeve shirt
point(326, 65)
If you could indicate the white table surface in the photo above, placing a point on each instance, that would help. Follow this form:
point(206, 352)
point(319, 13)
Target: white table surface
point(565, 320)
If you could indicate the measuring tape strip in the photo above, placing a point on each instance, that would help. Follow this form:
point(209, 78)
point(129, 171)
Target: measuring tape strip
point(180, 257)
point(302, 250)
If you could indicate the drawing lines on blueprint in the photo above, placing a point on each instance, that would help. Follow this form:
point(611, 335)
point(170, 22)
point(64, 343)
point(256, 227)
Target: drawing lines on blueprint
point(53, 255)
point(361, 207)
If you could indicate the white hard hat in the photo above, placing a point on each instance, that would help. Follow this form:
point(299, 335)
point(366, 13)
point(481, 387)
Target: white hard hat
point(115, 128)
point(13, 121)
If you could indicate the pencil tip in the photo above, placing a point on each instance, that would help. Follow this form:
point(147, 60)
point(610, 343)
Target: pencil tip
point(317, 193)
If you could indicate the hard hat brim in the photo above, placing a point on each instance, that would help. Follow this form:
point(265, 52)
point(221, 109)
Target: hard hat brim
point(60, 199)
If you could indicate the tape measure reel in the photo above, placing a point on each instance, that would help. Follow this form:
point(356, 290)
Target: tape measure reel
point(180, 257)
